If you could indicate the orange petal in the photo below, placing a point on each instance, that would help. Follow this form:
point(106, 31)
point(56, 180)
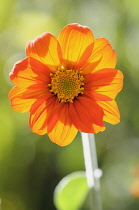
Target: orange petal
point(39, 113)
point(38, 117)
point(18, 103)
point(64, 131)
point(54, 115)
point(103, 84)
point(62, 135)
point(103, 56)
point(28, 72)
point(45, 48)
point(76, 43)
point(111, 111)
point(86, 115)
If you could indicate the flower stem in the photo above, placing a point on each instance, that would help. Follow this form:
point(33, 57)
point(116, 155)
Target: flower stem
point(92, 172)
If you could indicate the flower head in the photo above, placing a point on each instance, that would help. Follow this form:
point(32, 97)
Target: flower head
point(67, 84)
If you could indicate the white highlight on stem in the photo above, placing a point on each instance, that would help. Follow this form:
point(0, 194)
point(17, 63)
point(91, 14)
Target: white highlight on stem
point(0, 204)
point(92, 172)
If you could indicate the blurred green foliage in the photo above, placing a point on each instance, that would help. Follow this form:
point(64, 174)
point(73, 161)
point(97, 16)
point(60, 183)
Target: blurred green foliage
point(71, 192)
point(31, 165)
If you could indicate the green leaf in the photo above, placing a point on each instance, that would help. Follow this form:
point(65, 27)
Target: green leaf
point(71, 191)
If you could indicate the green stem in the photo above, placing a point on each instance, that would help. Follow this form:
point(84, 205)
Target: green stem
point(92, 172)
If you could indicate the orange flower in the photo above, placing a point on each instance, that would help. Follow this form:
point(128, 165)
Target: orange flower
point(67, 84)
point(134, 188)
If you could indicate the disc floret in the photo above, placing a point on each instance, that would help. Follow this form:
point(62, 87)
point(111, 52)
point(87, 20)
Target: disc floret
point(67, 84)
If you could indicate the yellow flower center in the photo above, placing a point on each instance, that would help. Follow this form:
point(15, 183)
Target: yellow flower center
point(66, 84)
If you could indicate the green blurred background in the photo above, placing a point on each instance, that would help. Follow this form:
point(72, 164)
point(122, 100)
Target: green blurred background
point(31, 165)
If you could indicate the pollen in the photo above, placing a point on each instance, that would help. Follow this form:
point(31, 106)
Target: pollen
point(66, 84)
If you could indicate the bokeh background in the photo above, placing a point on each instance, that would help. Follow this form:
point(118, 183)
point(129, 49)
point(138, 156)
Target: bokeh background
point(31, 165)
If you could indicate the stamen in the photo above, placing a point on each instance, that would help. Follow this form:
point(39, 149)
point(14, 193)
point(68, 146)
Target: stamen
point(66, 84)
